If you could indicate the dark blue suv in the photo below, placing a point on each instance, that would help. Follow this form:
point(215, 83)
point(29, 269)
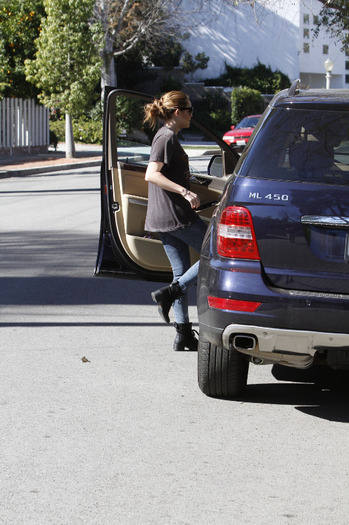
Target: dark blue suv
point(273, 286)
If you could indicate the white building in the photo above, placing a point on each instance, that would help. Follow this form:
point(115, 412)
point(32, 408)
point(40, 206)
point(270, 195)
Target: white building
point(280, 36)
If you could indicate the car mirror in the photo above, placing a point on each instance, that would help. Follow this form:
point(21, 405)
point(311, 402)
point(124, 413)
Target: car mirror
point(215, 166)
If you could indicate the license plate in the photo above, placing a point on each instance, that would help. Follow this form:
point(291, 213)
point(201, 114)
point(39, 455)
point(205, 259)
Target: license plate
point(241, 142)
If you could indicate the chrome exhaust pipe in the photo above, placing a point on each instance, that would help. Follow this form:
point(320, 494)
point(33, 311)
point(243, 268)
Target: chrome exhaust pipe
point(243, 342)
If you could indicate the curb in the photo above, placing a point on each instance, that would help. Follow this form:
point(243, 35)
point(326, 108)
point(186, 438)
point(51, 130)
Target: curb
point(22, 172)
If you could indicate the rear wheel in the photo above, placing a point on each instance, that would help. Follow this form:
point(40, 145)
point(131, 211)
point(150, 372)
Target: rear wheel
point(221, 372)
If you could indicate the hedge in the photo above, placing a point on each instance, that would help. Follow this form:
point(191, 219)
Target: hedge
point(244, 102)
point(84, 130)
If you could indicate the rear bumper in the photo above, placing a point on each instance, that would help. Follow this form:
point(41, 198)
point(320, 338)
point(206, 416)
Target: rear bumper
point(289, 327)
point(286, 347)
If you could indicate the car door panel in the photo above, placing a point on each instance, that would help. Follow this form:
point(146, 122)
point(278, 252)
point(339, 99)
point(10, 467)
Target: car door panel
point(130, 192)
point(125, 248)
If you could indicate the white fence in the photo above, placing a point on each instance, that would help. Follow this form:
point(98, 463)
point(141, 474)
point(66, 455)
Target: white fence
point(23, 125)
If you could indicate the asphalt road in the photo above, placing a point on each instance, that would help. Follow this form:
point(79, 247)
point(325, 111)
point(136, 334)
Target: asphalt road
point(126, 437)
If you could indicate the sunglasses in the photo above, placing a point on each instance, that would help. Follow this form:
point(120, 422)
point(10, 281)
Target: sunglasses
point(190, 109)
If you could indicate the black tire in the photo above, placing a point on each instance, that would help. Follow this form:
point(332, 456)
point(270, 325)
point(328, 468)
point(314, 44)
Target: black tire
point(221, 373)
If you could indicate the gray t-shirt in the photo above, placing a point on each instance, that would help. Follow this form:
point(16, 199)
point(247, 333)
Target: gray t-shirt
point(168, 211)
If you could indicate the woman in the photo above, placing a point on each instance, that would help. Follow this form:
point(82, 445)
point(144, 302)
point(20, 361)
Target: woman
point(171, 210)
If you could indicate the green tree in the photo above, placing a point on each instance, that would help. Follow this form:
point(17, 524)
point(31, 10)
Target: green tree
point(67, 67)
point(190, 64)
point(245, 101)
point(20, 22)
point(167, 54)
point(259, 77)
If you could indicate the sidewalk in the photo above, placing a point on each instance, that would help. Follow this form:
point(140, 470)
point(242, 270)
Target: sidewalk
point(20, 165)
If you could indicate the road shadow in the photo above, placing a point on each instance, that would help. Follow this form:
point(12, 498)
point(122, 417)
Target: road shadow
point(323, 394)
point(59, 291)
point(57, 268)
point(76, 291)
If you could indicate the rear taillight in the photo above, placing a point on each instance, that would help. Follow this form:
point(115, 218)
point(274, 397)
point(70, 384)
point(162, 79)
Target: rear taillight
point(232, 304)
point(235, 235)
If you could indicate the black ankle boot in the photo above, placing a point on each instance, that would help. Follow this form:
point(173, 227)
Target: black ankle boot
point(165, 298)
point(185, 338)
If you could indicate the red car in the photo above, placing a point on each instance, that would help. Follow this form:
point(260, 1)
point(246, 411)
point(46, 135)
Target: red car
point(240, 134)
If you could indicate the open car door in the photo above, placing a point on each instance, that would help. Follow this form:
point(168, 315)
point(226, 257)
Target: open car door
point(125, 250)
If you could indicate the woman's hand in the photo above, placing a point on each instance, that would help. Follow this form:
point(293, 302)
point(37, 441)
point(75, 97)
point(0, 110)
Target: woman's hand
point(153, 174)
point(191, 197)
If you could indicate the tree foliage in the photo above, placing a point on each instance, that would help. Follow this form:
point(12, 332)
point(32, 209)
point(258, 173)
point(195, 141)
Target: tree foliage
point(19, 27)
point(259, 77)
point(245, 101)
point(166, 54)
point(334, 17)
point(190, 64)
point(66, 67)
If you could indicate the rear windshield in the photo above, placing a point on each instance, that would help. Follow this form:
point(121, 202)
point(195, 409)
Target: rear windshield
point(302, 146)
point(248, 122)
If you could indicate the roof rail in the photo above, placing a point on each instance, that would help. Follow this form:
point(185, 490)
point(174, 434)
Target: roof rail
point(294, 88)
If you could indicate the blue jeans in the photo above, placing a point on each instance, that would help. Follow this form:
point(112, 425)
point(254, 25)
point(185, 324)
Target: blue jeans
point(176, 245)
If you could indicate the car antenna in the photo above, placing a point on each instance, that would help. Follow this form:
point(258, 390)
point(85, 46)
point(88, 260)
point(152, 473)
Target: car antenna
point(294, 88)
